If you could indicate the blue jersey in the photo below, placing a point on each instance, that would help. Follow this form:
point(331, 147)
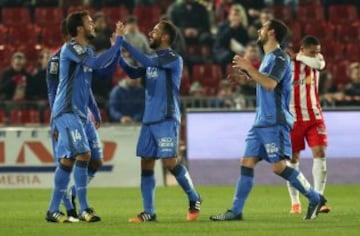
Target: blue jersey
point(273, 105)
point(162, 73)
point(52, 81)
point(76, 64)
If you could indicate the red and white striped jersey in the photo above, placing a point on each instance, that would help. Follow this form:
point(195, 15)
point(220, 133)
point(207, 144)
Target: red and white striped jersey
point(305, 102)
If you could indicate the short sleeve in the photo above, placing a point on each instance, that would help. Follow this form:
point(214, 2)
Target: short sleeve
point(279, 67)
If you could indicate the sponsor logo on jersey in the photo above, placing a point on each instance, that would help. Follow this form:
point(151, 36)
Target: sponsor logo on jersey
point(152, 73)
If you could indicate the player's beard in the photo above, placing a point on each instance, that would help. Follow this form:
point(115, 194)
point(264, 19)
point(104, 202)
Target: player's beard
point(261, 41)
point(155, 43)
point(90, 35)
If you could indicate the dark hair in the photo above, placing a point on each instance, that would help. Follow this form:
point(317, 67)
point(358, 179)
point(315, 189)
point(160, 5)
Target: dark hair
point(131, 19)
point(310, 40)
point(169, 29)
point(63, 28)
point(74, 20)
point(281, 30)
point(99, 15)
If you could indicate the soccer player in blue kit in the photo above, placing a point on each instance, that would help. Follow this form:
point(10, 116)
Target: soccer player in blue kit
point(160, 125)
point(269, 138)
point(96, 154)
point(70, 112)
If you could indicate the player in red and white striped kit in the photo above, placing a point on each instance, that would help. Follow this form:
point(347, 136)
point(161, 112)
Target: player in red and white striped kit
point(309, 123)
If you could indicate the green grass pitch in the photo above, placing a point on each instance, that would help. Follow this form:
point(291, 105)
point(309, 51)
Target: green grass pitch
point(266, 213)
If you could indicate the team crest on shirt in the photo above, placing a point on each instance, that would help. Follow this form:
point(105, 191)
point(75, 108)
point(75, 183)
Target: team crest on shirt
point(309, 80)
point(152, 72)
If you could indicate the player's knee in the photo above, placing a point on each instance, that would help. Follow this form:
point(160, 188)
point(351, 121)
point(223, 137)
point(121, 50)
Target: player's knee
point(319, 153)
point(170, 163)
point(67, 162)
point(83, 156)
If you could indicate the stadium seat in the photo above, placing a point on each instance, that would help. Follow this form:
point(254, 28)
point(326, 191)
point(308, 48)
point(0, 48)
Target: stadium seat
point(352, 51)
point(332, 51)
point(3, 35)
point(282, 12)
point(46, 116)
point(2, 116)
point(104, 115)
point(74, 8)
point(348, 33)
point(185, 81)
point(147, 17)
point(324, 31)
point(342, 13)
point(48, 17)
point(209, 76)
point(15, 16)
point(339, 72)
point(27, 34)
point(310, 13)
point(31, 52)
point(5, 54)
point(51, 37)
point(114, 14)
point(24, 116)
point(296, 32)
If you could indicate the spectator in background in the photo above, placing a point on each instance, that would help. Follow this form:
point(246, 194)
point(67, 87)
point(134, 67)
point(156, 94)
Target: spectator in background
point(265, 16)
point(127, 101)
point(352, 89)
point(253, 8)
point(103, 33)
point(36, 88)
point(225, 97)
point(328, 91)
point(231, 37)
point(136, 38)
point(197, 94)
point(222, 9)
point(14, 79)
point(193, 21)
point(252, 53)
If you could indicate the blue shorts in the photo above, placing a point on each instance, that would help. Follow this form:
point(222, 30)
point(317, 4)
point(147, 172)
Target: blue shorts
point(72, 139)
point(159, 140)
point(94, 140)
point(271, 143)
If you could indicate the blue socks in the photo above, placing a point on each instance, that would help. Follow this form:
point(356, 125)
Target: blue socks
point(61, 181)
point(183, 178)
point(298, 181)
point(81, 180)
point(148, 190)
point(91, 175)
point(244, 185)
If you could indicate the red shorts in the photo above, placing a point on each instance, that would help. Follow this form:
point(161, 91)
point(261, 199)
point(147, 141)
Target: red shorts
point(314, 132)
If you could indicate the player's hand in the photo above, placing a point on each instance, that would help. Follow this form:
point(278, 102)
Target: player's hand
point(241, 63)
point(120, 29)
point(126, 120)
point(97, 124)
point(237, 76)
